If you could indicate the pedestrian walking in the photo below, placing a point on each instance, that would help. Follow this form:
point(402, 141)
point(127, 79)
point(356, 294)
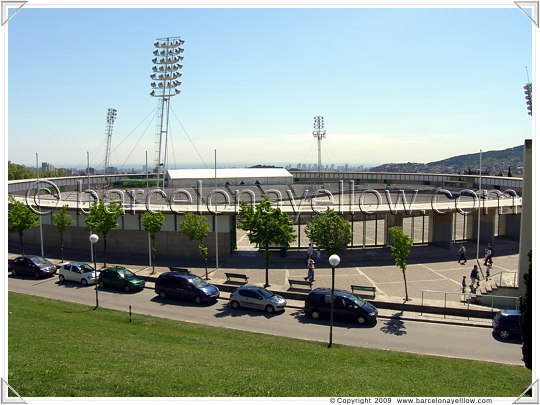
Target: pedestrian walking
point(462, 254)
point(488, 261)
point(464, 284)
point(310, 251)
point(318, 255)
point(474, 279)
point(311, 269)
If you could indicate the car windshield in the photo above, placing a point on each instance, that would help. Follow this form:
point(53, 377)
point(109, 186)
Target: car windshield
point(41, 261)
point(358, 301)
point(125, 273)
point(265, 293)
point(85, 268)
point(199, 282)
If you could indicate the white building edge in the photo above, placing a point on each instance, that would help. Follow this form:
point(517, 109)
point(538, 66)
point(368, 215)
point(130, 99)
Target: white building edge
point(230, 177)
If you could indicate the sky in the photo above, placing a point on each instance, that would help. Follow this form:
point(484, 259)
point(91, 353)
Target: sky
point(393, 84)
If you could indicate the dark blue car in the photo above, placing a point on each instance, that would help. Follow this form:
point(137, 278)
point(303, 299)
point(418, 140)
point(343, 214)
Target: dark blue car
point(188, 287)
point(506, 323)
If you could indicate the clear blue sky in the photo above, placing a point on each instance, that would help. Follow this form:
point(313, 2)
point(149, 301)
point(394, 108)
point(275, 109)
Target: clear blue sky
point(394, 85)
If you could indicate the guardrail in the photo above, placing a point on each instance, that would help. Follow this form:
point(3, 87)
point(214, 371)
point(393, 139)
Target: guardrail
point(500, 275)
point(467, 297)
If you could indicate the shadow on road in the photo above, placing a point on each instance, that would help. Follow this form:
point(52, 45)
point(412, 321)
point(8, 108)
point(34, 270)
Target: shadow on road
point(394, 325)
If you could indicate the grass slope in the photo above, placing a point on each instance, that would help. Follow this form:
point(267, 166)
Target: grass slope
point(58, 349)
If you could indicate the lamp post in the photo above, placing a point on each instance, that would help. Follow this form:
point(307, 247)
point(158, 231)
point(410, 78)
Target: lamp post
point(334, 261)
point(93, 240)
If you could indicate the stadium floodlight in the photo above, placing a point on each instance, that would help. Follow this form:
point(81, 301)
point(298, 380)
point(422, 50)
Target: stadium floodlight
point(319, 133)
point(164, 86)
point(528, 97)
point(111, 116)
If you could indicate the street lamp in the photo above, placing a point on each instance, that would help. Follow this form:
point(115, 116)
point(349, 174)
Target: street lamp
point(334, 261)
point(93, 240)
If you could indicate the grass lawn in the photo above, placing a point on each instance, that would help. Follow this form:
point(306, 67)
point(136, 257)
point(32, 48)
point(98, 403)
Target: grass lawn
point(58, 349)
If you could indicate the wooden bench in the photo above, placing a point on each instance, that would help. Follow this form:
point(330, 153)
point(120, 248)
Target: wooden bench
point(300, 282)
point(236, 275)
point(179, 270)
point(363, 290)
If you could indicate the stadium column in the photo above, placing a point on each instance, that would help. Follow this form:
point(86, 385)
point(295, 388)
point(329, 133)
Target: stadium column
point(440, 229)
point(487, 226)
point(525, 238)
point(390, 221)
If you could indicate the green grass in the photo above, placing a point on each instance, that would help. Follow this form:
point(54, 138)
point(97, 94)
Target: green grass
point(58, 348)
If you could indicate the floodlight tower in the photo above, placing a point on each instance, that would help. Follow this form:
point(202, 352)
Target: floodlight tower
point(111, 116)
point(166, 72)
point(319, 133)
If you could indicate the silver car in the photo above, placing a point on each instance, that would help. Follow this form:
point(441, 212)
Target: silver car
point(252, 296)
point(78, 272)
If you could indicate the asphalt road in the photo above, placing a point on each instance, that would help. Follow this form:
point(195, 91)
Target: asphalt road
point(465, 342)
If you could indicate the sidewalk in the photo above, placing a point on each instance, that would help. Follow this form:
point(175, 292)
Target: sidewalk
point(433, 277)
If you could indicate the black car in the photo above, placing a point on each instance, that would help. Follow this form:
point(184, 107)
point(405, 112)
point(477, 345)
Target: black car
point(346, 306)
point(120, 278)
point(506, 323)
point(32, 265)
point(186, 286)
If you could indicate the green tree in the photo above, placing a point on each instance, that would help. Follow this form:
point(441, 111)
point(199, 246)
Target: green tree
point(62, 220)
point(21, 217)
point(102, 218)
point(401, 250)
point(525, 306)
point(329, 231)
point(266, 226)
point(152, 222)
point(196, 227)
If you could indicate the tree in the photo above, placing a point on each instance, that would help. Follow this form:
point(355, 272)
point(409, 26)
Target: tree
point(400, 250)
point(102, 218)
point(62, 220)
point(525, 306)
point(196, 227)
point(21, 218)
point(329, 231)
point(152, 222)
point(266, 226)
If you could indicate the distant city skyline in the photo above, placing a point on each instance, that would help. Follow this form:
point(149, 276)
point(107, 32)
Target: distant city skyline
point(393, 84)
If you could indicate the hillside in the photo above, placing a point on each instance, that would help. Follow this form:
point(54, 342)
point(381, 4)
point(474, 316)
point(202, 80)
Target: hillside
point(494, 163)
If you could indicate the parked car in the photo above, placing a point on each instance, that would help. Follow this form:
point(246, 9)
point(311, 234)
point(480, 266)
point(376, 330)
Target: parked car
point(120, 278)
point(506, 323)
point(77, 271)
point(32, 265)
point(186, 286)
point(346, 306)
point(252, 296)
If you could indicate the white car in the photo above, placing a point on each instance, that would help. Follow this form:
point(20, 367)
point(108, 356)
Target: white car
point(79, 272)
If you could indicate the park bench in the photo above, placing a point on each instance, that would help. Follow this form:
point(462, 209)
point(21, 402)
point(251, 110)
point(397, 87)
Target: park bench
point(236, 275)
point(300, 282)
point(179, 270)
point(363, 290)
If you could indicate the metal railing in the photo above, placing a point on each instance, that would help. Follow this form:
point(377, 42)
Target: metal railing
point(500, 276)
point(467, 297)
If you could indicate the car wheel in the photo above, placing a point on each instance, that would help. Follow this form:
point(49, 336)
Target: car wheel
point(162, 294)
point(235, 304)
point(83, 281)
point(100, 284)
point(197, 300)
point(36, 274)
point(13, 272)
point(315, 314)
point(126, 288)
point(269, 309)
point(504, 334)
point(61, 278)
point(361, 320)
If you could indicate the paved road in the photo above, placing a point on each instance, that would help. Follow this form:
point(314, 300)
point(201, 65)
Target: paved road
point(407, 336)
